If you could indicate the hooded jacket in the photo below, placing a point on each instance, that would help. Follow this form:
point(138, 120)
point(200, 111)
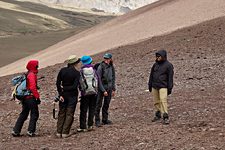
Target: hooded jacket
point(161, 75)
point(106, 74)
point(32, 67)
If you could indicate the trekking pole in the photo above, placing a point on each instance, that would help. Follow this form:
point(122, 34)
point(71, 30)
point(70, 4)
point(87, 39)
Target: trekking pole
point(42, 77)
point(54, 111)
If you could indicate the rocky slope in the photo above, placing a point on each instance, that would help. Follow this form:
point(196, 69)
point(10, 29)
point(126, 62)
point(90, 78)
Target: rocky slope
point(159, 18)
point(27, 28)
point(196, 105)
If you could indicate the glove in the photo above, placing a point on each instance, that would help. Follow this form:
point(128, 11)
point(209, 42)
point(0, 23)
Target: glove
point(169, 91)
point(38, 101)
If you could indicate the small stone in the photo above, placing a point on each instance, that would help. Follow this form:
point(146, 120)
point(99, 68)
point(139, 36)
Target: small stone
point(44, 148)
point(220, 134)
point(212, 129)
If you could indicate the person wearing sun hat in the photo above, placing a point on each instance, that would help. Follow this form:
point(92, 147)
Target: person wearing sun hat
point(88, 88)
point(67, 87)
point(106, 74)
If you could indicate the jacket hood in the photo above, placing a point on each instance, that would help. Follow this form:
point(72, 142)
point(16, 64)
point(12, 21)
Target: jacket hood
point(32, 66)
point(162, 53)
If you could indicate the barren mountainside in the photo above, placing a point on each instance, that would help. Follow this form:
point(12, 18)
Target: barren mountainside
point(27, 28)
point(156, 19)
point(111, 6)
point(192, 32)
point(196, 106)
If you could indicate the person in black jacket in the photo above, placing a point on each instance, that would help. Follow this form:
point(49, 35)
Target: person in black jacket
point(106, 74)
point(161, 84)
point(67, 87)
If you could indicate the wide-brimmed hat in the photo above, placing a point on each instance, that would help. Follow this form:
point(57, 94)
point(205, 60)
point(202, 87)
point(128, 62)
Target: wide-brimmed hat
point(107, 56)
point(86, 60)
point(73, 59)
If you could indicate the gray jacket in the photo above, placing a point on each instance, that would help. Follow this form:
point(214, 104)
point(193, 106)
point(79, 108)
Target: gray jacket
point(106, 74)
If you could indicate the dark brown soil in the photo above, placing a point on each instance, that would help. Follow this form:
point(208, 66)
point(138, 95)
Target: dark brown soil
point(196, 106)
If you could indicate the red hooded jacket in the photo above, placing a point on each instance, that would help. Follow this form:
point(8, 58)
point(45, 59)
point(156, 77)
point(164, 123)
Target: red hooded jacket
point(32, 67)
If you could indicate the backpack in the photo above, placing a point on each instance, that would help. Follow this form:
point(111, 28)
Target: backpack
point(89, 81)
point(20, 87)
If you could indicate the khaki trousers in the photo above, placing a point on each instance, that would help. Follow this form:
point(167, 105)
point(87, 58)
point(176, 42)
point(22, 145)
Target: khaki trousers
point(160, 99)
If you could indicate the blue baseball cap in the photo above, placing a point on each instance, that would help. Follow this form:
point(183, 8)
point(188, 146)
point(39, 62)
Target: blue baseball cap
point(107, 56)
point(86, 60)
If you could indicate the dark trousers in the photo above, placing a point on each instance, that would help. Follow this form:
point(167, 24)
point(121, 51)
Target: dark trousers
point(66, 114)
point(87, 103)
point(105, 107)
point(28, 106)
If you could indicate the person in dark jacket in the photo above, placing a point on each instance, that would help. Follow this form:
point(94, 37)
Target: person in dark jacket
point(30, 102)
point(106, 74)
point(67, 87)
point(161, 84)
point(88, 88)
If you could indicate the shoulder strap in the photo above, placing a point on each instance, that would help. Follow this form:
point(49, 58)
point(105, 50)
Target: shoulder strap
point(83, 77)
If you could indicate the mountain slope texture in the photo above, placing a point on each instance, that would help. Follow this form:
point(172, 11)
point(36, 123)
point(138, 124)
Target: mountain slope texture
point(109, 6)
point(194, 38)
point(153, 20)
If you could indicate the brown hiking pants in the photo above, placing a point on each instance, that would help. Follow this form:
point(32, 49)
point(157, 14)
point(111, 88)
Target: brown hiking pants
point(65, 120)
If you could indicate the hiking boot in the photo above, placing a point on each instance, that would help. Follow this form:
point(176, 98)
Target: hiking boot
point(98, 124)
point(90, 128)
point(166, 121)
point(157, 116)
point(166, 118)
point(106, 122)
point(155, 119)
point(65, 135)
point(31, 134)
point(81, 130)
point(14, 134)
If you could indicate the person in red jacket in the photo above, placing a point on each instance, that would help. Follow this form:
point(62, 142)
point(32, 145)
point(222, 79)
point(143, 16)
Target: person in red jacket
point(29, 103)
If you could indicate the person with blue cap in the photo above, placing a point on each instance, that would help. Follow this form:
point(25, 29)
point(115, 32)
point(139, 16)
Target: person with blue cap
point(106, 74)
point(89, 89)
